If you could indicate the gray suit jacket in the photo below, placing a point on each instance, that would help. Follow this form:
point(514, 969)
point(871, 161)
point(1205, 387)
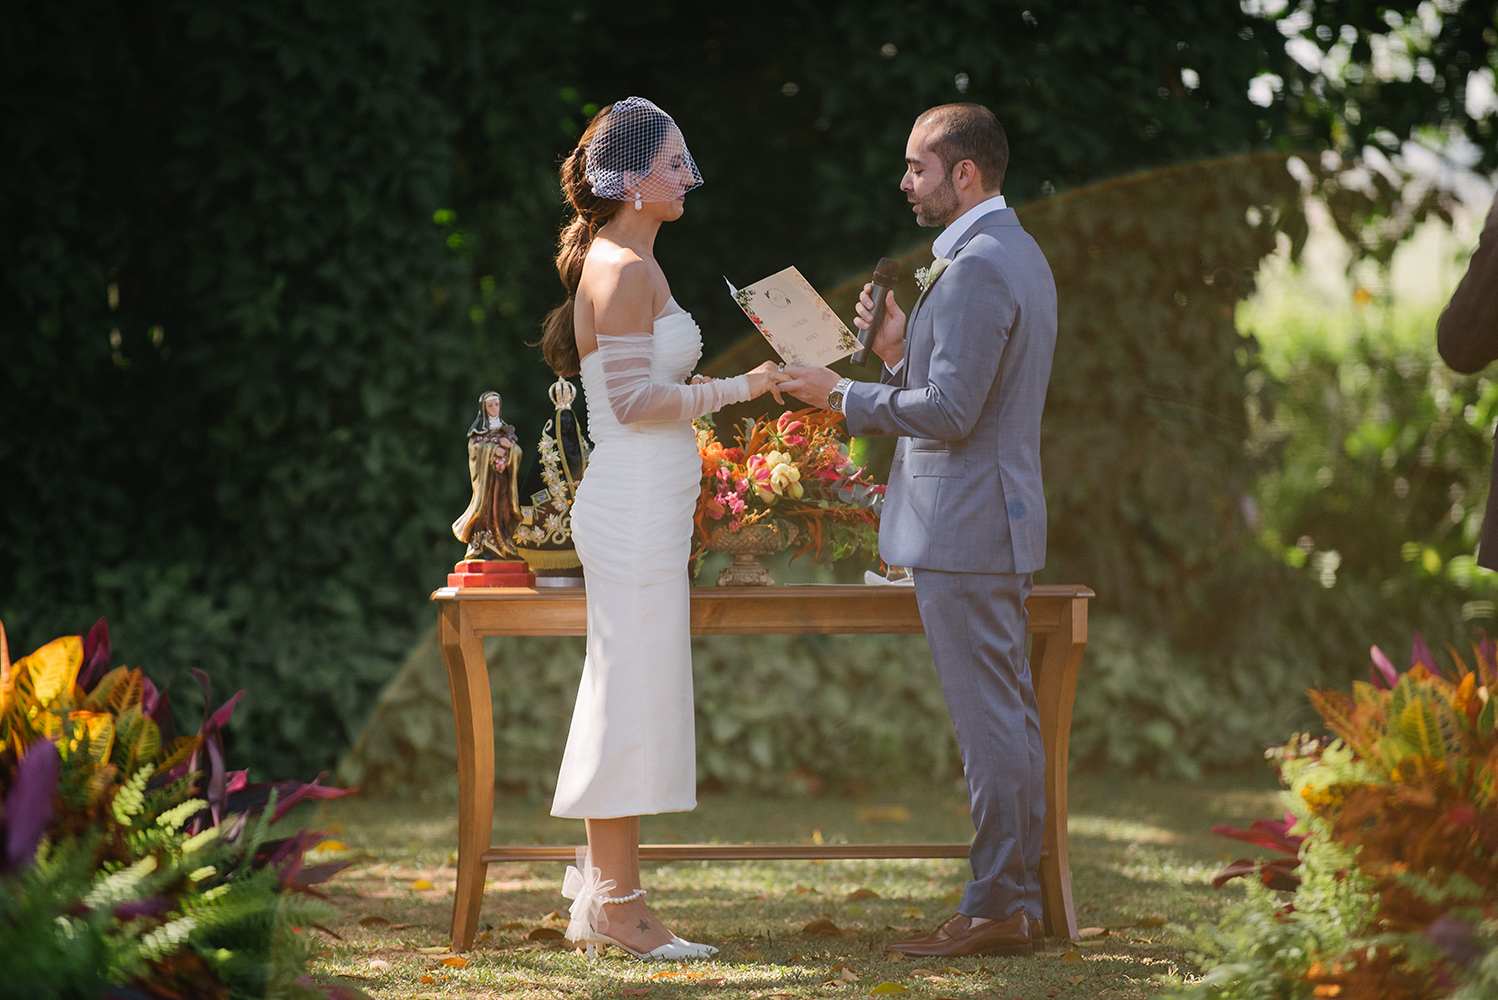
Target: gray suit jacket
point(964, 490)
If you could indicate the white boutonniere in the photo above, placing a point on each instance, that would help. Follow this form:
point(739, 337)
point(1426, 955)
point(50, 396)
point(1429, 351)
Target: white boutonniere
point(925, 275)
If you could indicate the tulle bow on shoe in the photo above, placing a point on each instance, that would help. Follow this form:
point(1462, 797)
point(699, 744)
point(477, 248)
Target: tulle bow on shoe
point(587, 888)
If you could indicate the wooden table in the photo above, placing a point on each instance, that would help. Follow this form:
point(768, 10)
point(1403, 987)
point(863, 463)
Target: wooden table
point(1058, 630)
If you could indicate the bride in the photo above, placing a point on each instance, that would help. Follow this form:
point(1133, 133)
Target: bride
point(631, 749)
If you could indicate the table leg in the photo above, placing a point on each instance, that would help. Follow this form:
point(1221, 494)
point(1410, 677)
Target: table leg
point(1054, 661)
point(473, 721)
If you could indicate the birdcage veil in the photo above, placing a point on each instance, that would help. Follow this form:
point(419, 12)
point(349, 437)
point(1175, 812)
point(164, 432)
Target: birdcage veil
point(637, 154)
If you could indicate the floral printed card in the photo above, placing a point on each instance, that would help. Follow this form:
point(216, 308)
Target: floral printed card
point(796, 321)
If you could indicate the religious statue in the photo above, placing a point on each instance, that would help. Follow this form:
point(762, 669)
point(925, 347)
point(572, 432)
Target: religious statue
point(488, 525)
point(544, 536)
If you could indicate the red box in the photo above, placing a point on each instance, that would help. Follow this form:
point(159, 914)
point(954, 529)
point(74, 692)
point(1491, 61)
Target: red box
point(491, 580)
point(491, 566)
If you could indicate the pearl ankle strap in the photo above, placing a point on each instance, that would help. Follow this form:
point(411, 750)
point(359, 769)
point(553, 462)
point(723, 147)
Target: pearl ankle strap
point(624, 899)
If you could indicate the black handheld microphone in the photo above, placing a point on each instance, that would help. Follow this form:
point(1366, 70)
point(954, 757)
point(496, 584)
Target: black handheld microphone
point(885, 276)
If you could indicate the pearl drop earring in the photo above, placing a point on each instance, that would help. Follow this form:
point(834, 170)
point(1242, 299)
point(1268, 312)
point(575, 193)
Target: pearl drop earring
point(638, 205)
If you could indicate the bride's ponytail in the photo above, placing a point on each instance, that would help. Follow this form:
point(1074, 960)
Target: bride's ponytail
point(559, 334)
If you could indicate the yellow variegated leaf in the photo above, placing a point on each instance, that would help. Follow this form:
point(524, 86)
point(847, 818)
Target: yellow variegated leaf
point(93, 734)
point(1419, 727)
point(6, 677)
point(180, 749)
point(145, 744)
point(52, 670)
point(1337, 709)
point(127, 692)
point(127, 725)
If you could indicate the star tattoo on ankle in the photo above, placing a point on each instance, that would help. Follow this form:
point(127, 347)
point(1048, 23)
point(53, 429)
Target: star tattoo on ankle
point(643, 925)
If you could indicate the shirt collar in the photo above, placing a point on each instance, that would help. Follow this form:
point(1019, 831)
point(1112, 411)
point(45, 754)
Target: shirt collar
point(943, 245)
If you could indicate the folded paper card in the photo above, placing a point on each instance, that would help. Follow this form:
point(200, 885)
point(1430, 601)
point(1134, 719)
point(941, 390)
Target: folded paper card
point(796, 321)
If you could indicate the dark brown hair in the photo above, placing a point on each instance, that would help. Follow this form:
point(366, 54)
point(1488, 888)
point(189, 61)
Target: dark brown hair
point(968, 132)
point(559, 335)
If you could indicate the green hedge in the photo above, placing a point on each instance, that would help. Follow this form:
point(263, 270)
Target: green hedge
point(776, 714)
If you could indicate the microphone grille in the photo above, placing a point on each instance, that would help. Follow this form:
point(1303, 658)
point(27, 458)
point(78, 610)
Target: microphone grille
point(888, 271)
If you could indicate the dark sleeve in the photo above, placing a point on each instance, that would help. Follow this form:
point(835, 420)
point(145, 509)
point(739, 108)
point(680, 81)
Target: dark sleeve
point(1467, 332)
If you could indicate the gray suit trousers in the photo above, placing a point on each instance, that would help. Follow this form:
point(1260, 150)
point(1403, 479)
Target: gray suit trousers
point(976, 624)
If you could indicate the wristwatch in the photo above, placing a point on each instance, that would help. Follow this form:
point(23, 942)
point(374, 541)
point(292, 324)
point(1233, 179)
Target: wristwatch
point(835, 397)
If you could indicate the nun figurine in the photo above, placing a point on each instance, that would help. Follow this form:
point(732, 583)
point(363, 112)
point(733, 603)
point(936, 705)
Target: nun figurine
point(488, 525)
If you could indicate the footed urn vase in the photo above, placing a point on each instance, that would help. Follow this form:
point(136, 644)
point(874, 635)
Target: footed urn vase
point(761, 539)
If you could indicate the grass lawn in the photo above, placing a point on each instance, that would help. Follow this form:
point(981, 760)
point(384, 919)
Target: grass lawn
point(1142, 860)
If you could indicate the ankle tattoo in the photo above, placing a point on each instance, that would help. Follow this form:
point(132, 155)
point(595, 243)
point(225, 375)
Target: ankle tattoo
point(643, 925)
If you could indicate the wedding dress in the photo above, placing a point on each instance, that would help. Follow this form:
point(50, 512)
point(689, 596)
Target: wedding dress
point(632, 748)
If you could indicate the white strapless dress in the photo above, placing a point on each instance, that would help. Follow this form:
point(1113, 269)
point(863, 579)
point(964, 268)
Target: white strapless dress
point(632, 748)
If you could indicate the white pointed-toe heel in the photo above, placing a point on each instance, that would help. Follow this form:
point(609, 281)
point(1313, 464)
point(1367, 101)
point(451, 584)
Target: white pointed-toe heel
point(675, 950)
point(589, 892)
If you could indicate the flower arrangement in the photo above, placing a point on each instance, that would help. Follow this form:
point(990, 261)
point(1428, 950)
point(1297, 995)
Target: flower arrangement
point(1390, 846)
point(793, 469)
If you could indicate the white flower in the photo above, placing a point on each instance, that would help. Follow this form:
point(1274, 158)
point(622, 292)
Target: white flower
point(924, 276)
point(785, 479)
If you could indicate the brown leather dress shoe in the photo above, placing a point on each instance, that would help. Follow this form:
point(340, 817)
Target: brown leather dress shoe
point(957, 937)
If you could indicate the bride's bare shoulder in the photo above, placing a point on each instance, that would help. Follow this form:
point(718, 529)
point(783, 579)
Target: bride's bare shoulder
point(611, 270)
point(616, 284)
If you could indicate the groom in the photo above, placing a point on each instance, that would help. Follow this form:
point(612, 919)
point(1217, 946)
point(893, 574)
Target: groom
point(963, 386)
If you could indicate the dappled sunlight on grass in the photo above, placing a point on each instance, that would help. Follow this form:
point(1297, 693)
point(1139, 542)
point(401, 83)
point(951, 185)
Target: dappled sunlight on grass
point(1141, 855)
point(1111, 828)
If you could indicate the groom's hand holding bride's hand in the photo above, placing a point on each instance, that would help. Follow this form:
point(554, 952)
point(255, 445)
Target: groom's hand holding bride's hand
point(768, 377)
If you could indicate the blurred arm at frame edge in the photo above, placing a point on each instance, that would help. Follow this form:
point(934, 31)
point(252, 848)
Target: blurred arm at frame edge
point(1467, 339)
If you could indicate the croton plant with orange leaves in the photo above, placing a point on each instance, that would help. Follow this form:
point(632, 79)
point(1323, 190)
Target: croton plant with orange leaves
point(1401, 801)
point(794, 468)
point(135, 864)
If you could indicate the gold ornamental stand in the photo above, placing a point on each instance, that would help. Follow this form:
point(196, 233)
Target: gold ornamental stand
point(1058, 631)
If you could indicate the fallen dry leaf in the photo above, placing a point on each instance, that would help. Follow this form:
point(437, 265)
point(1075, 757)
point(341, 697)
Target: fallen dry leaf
point(1053, 992)
point(896, 956)
point(372, 921)
point(684, 975)
point(1074, 980)
point(802, 890)
point(859, 895)
point(422, 885)
point(454, 962)
point(843, 973)
point(754, 956)
point(717, 981)
point(553, 915)
point(428, 979)
point(439, 949)
point(514, 925)
point(822, 927)
point(1072, 955)
point(913, 913)
point(950, 971)
point(331, 845)
point(888, 988)
point(1150, 920)
point(545, 934)
point(855, 911)
point(922, 972)
point(1092, 932)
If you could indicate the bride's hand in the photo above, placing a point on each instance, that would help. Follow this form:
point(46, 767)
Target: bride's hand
point(767, 378)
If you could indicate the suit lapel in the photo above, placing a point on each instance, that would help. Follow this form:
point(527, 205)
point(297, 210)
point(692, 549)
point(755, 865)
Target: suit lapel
point(981, 224)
